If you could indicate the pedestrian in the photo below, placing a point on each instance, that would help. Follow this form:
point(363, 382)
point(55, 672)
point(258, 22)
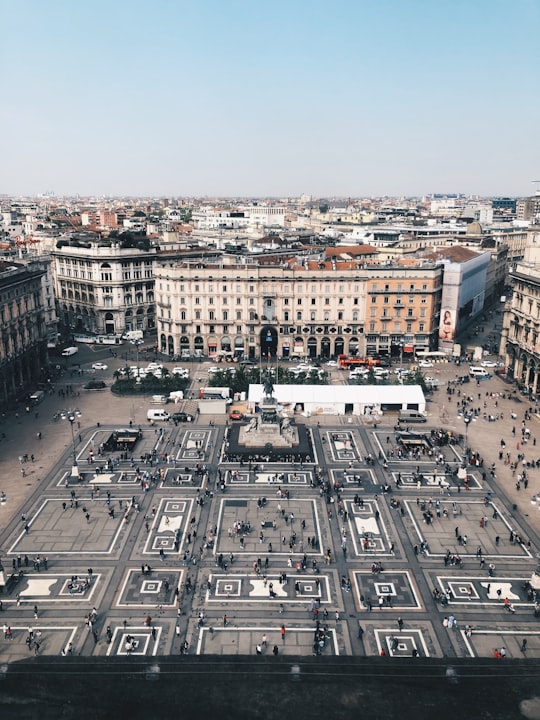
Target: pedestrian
point(283, 632)
point(400, 623)
point(224, 620)
point(258, 649)
point(524, 645)
point(96, 637)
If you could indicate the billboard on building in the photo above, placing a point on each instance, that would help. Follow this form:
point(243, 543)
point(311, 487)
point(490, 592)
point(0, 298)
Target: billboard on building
point(447, 328)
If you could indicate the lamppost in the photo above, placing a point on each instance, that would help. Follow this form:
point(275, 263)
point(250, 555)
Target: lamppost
point(72, 416)
point(466, 420)
point(137, 343)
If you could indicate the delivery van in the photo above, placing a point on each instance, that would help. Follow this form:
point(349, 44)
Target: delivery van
point(157, 415)
point(70, 351)
point(411, 416)
point(478, 372)
point(37, 397)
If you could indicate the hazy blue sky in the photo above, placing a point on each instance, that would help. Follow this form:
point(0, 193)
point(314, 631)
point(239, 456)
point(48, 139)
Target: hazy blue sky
point(234, 97)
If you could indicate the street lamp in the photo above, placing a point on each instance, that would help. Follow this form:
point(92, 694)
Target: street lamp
point(466, 420)
point(72, 416)
point(137, 343)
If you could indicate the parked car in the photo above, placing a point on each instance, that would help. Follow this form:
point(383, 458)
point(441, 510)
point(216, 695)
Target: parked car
point(332, 363)
point(94, 385)
point(425, 364)
point(235, 415)
point(489, 364)
point(212, 369)
point(99, 366)
point(182, 417)
point(247, 362)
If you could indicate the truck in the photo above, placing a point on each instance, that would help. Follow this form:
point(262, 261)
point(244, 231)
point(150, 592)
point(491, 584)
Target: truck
point(69, 351)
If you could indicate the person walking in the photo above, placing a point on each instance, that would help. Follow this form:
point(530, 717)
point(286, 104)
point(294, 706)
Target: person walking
point(283, 632)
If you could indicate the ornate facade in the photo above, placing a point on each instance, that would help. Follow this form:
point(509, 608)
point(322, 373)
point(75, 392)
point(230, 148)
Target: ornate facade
point(296, 308)
point(104, 289)
point(23, 331)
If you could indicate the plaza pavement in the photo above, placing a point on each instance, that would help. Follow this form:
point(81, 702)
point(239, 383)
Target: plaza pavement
point(219, 610)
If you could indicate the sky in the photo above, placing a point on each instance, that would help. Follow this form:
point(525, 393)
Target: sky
point(233, 98)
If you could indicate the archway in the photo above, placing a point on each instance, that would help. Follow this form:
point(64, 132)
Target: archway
point(325, 347)
point(109, 324)
point(312, 347)
point(269, 341)
point(339, 345)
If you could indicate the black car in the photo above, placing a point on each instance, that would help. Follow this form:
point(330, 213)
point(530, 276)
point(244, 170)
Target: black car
point(182, 417)
point(247, 362)
point(94, 385)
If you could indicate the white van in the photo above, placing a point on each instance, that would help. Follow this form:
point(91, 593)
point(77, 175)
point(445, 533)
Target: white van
point(478, 372)
point(69, 351)
point(158, 415)
point(37, 397)
point(411, 416)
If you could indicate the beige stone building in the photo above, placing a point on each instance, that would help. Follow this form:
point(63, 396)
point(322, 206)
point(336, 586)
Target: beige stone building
point(520, 343)
point(104, 288)
point(296, 305)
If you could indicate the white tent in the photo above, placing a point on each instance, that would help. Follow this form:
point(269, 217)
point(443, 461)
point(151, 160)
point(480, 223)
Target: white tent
point(341, 399)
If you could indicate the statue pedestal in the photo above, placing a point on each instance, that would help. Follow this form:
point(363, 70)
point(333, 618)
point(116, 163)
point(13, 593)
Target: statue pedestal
point(268, 428)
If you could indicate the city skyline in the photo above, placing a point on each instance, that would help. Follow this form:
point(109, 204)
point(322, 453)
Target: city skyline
point(203, 99)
